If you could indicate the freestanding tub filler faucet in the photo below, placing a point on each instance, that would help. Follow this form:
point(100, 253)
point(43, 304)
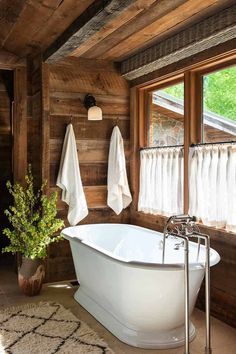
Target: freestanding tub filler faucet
point(184, 227)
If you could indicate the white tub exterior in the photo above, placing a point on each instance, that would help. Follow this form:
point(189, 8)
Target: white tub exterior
point(126, 288)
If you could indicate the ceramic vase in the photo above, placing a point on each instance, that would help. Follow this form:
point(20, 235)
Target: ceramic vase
point(31, 274)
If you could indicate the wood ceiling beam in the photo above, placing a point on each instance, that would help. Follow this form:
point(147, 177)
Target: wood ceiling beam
point(207, 34)
point(138, 7)
point(96, 16)
point(176, 16)
point(158, 9)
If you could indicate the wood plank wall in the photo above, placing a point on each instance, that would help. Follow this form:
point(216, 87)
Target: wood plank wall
point(34, 117)
point(5, 154)
point(69, 82)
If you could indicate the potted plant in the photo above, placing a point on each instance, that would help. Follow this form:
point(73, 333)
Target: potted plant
point(34, 223)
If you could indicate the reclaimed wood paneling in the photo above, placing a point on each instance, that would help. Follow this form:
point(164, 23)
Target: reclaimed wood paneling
point(72, 103)
point(95, 196)
point(84, 129)
point(89, 151)
point(20, 125)
point(91, 174)
point(68, 85)
point(5, 155)
point(66, 103)
point(45, 125)
point(95, 82)
point(34, 124)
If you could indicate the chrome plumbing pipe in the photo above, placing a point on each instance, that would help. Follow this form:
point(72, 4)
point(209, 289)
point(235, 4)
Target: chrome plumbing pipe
point(186, 220)
point(208, 349)
point(165, 235)
point(186, 290)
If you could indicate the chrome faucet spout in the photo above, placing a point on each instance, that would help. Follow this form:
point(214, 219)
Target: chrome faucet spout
point(184, 220)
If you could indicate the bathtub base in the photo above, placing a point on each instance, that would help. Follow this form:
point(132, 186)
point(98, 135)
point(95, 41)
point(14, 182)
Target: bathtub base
point(155, 340)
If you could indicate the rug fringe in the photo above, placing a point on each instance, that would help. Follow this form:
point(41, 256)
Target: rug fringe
point(29, 306)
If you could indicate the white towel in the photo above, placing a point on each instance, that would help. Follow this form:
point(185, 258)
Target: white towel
point(69, 179)
point(119, 196)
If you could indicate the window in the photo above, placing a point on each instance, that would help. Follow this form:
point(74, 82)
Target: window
point(201, 117)
point(161, 170)
point(166, 116)
point(219, 105)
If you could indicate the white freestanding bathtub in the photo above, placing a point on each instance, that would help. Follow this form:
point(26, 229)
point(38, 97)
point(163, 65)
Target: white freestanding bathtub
point(124, 285)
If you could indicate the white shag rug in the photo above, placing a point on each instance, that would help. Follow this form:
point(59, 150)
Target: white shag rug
point(47, 328)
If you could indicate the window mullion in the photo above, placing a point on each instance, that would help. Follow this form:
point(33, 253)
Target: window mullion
point(192, 122)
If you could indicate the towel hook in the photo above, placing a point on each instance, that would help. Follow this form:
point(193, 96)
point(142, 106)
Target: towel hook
point(116, 121)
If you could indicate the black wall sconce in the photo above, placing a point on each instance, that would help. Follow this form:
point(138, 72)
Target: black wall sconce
point(94, 112)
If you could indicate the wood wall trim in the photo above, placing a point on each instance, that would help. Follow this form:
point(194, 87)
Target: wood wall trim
point(134, 142)
point(215, 30)
point(45, 125)
point(10, 61)
point(87, 65)
point(20, 125)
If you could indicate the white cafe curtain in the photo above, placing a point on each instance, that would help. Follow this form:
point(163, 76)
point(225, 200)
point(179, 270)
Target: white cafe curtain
point(212, 185)
point(161, 181)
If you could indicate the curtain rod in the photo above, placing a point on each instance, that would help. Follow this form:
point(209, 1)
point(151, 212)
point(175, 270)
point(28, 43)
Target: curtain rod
point(215, 143)
point(160, 147)
point(181, 146)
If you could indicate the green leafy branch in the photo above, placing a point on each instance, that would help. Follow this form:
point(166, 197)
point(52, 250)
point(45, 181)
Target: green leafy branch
point(33, 219)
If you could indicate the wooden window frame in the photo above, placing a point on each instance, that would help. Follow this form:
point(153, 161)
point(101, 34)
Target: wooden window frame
point(192, 78)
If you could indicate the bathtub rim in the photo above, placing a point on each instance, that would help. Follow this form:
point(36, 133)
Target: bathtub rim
point(136, 264)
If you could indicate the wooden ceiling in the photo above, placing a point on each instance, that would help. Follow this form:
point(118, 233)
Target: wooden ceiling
point(101, 29)
point(27, 25)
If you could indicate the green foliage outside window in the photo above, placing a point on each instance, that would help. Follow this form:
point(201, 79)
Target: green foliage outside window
point(176, 90)
point(219, 92)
